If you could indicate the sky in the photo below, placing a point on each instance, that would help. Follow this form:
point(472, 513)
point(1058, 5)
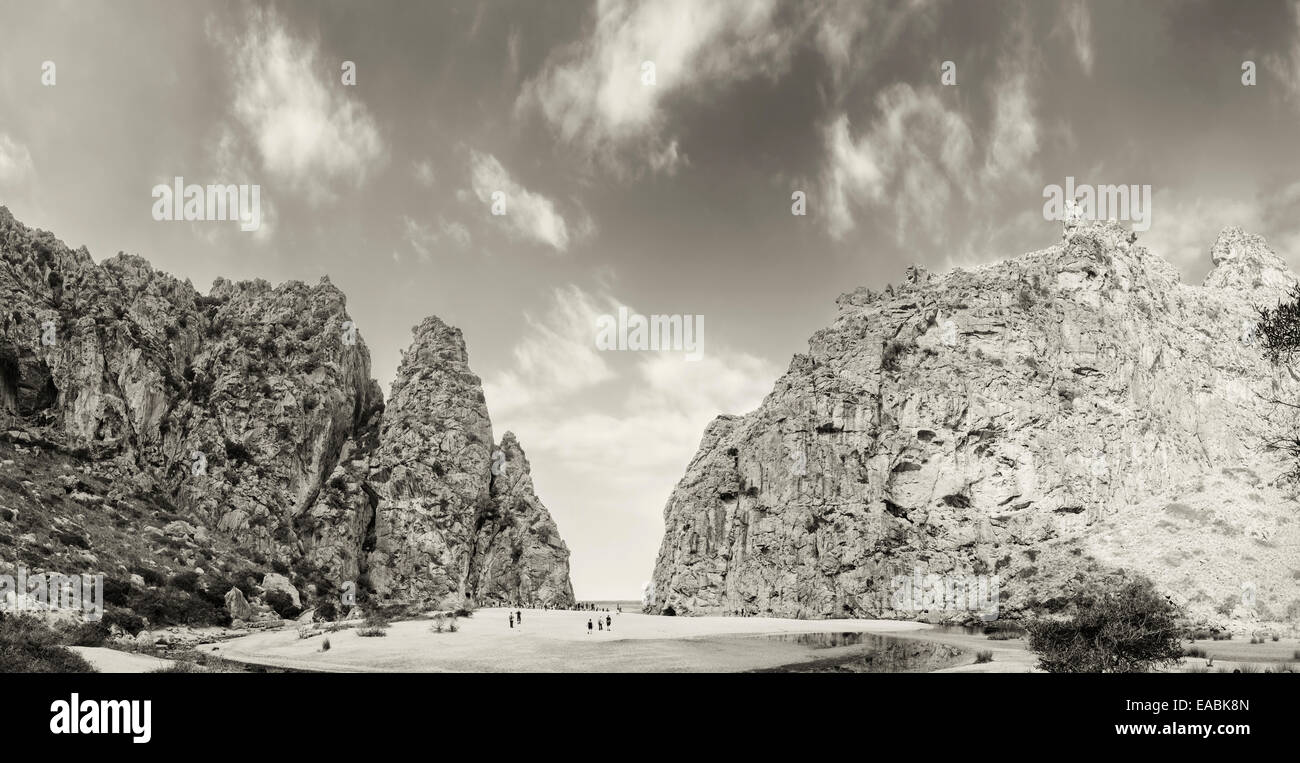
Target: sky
point(670, 195)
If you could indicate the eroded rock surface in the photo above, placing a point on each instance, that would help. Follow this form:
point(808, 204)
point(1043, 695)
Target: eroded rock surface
point(1074, 408)
point(248, 424)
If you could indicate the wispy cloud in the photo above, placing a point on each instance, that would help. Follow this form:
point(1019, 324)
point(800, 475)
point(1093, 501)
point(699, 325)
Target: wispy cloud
point(529, 216)
point(306, 130)
point(425, 238)
point(15, 163)
point(557, 356)
point(593, 94)
point(1285, 66)
point(919, 156)
point(912, 158)
point(1078, 21)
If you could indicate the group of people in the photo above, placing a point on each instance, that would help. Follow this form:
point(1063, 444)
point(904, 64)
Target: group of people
point(516, 617)
point(588, 606)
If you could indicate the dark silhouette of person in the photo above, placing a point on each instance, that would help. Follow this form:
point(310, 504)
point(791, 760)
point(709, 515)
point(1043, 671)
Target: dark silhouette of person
point(512, 621)
point(589, 626)
point(520, 617)
point(608, 622)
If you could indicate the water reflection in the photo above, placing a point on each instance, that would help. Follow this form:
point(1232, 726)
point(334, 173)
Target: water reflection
point(867, 653)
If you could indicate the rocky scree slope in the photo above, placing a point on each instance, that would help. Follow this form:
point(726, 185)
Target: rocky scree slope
point(1072, 411)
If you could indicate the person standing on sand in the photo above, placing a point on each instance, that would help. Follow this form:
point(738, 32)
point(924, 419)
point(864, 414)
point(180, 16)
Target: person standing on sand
point(609, 624)
point(519, 615)
point(599, 625)
point(512, 621)
point(588, 626)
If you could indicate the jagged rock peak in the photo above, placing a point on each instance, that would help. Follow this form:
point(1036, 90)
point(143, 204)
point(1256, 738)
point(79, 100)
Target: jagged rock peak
point(250, 412)
point(1244, 261)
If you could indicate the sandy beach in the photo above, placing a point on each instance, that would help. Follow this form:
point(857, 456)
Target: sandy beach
point(108, 660)
point(558, 641)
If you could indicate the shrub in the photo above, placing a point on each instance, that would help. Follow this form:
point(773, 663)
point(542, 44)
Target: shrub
point(151, 576)
point(170, 606)
point(1004, 630)
point(179, 666)
point(327, 610)
point(984, 655)
point(283, 604)
point(116, 592)
point(1116, 626)
point(372, 631)
point(1194, 651)
point(1025, 299)
point(325, 645)
point(246, 581)
point(893, 353)
point(27, 645)
point(185, 581)
point(1279, 327)
point(124, 619)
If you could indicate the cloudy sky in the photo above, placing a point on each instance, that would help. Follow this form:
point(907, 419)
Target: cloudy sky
point(668, 198)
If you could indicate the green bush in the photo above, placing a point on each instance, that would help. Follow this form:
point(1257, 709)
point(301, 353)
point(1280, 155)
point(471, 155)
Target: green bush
point(1116, 625)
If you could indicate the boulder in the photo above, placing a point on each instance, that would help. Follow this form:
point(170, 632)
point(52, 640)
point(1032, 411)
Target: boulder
point(237, 605)
point(274, 581)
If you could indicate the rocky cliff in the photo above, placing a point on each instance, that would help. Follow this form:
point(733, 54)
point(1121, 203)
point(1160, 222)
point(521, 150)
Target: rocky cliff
point(248, 417)
point(1076, 409)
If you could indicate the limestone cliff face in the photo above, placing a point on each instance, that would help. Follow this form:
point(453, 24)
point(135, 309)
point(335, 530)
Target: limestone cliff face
point(449, 525)
point(251, 412)
point(1074, 408)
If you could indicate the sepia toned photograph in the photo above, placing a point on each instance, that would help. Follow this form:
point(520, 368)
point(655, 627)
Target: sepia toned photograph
point(839, 337)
